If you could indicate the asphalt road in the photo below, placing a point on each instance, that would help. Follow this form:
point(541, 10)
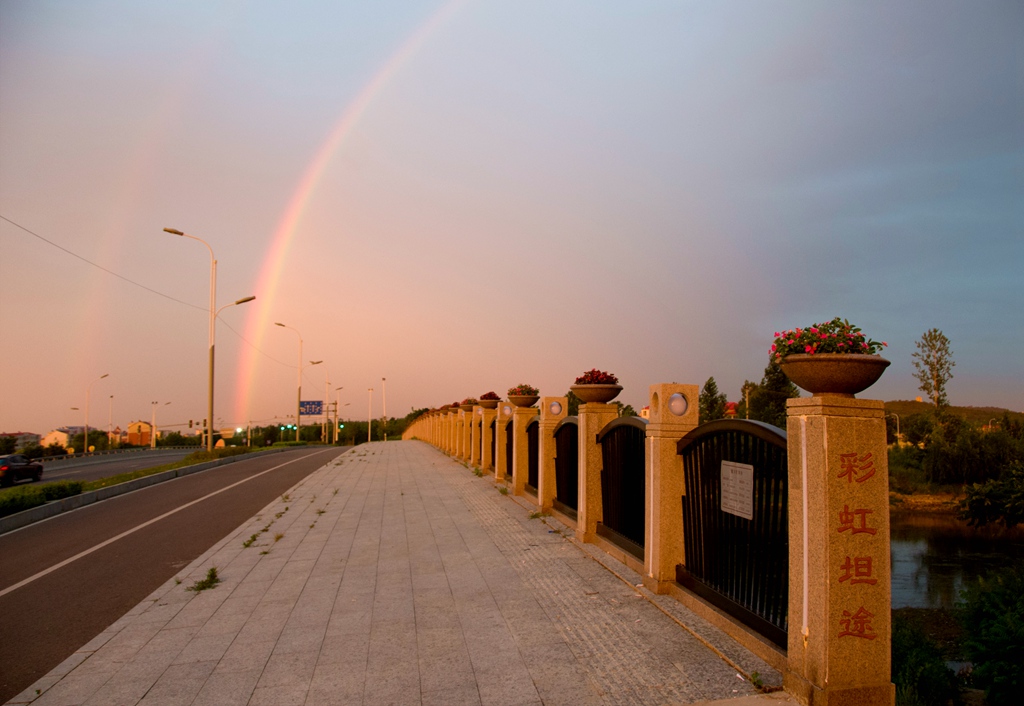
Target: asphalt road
point(59, 609)
point(96, 467)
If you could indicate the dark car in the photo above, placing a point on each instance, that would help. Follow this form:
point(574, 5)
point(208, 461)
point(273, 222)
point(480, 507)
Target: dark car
point(17, 467)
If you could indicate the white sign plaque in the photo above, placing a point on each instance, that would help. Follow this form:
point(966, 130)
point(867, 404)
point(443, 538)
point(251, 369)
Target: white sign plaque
point(738, 489)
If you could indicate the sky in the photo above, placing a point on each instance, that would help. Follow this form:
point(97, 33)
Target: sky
point(464, 195)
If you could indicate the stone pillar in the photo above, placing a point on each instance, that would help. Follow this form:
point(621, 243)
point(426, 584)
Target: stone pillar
point(487, 416)
point(839, 583)
point(459, 420)
point(474, 436)
point(593, 417)
point(521, 417)
point(449, 446)
point(504, 413)
point(552, 411)
point(674, 412)
point(467, 430)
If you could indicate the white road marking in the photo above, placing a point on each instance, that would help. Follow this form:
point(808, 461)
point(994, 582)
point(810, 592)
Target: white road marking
point(145, 524)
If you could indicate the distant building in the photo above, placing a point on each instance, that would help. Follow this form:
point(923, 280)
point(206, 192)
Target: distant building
point(730, 409)
point(141, 433)
point(61, 436)
point(21, 438)
point(645, 413)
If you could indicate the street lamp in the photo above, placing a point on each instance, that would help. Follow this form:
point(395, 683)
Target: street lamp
point(897, 425)
point(88, 391)
point(298, 399)
point(384, 404)
point(369, 415)
point(152, 429)
point(337, 410)
point(213, 329)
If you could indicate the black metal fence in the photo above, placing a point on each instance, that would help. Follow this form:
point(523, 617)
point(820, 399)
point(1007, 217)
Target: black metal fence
point(740, 565)
point(567, 465)
point(623, 483)
point(508, 449)
point(533, 455)
point(494, 440)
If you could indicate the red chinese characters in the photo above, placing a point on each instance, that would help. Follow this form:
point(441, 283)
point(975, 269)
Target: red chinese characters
point(857, 624)
point(856, 467)
point(858, 570)
point(855, 521)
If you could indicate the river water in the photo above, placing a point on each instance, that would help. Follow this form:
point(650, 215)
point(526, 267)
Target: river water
point(934, 556)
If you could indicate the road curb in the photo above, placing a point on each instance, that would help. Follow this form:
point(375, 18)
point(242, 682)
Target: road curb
point(52, 509)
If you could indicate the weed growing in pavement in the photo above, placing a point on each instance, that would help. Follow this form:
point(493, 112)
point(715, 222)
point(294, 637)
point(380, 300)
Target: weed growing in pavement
point(248, 543)
point(177, 581)
point(335, 491)
point(539, 515)
point(756, 680)
point(311, 526)
point(210, 581)
point(266, 527)
point(278, 536)
point(321, 511)
point(478, 473)
point(284, 498)
point(265, 551)
point(278, 515)
point(503, 490)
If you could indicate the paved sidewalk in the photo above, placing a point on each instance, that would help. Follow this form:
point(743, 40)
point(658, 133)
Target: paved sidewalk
point(393, 575)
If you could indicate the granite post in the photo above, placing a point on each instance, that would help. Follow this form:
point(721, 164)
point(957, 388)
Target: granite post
point(839, 580)
point(552, 411)
point(521, 418)
point(674, 412)
point(593, 417)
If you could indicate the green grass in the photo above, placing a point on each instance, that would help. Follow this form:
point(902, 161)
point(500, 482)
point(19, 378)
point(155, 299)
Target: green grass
point(210, 581)
point(503, 490)
point(192, 459)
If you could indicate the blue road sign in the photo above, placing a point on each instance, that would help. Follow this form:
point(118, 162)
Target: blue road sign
point(311, 408)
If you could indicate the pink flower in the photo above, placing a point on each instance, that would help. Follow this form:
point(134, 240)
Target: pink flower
point(808, 349)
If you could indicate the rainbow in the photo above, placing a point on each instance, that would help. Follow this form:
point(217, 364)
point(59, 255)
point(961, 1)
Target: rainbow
point(259, 321)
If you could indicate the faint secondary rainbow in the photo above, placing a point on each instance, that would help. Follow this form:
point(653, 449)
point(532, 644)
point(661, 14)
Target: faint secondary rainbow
point(259, 319)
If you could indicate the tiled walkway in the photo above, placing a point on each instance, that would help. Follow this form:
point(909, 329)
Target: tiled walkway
point(393, 575)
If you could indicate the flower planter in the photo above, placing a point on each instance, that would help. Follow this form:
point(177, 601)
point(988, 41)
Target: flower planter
point(523, 400)
point(489, 404)
point(840, 374)
point(596, 393)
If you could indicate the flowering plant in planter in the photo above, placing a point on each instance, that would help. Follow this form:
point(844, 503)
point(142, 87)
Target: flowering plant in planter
point(492, 395)
point(523, 390)
point(455, 404)
point(468, 402)
point(835, 336)
point(597, 377)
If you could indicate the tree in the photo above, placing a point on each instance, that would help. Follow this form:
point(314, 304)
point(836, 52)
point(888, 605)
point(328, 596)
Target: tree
point(768, 400)
point(625, 410)
point(574, 403)
point(711, 402)
point(934, 365)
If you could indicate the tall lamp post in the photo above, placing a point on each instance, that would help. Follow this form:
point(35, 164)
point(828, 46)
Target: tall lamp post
point(384, 404)
point(88, 391)
point(213, 330)
point(110, 423)
point(298, 399)
point(337, 410)
point(369, 415)
point(152, 429)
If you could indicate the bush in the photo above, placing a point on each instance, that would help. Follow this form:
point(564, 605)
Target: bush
point(992, 612)
point(24, 497)
point(918, 668)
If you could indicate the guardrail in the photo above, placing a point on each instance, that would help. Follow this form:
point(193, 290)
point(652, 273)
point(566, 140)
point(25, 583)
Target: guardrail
point(110, 452)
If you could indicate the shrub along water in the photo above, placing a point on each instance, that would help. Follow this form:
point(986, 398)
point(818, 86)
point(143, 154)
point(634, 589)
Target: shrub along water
point(992, 613)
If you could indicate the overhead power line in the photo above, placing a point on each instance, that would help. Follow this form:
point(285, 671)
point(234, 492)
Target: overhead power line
point(137, 284)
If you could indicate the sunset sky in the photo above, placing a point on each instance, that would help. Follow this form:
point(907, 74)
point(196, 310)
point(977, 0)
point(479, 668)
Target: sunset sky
point(462, 196)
